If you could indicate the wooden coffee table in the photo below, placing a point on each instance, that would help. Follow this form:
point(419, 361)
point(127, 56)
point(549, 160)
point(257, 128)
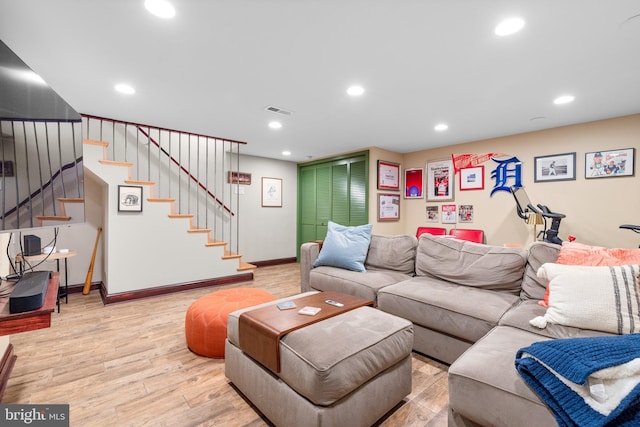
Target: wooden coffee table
point(260, 329)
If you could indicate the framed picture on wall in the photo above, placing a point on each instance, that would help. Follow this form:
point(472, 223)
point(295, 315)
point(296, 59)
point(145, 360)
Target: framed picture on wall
point(440, 180)
point(129, 198)
point(433, 213)
point(413, 183)
point(609, 164)
point(272, 192)
point(472, 178)
point(557, 167)
point(388, 207)
point(388, 175)
point(465, 213)
point(449, 214)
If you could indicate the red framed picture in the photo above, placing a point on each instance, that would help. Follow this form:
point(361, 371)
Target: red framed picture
point(472, 178)
point(414, 183)
point(388, 175)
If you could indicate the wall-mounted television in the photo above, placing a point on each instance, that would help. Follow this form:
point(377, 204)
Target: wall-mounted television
point(41, 171)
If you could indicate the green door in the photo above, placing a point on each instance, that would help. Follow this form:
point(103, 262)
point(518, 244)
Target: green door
point(332, 190)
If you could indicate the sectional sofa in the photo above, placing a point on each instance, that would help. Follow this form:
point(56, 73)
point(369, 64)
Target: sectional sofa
point(470, 305)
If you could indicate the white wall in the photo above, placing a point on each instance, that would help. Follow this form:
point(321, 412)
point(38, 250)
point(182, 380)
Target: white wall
point(267, 233)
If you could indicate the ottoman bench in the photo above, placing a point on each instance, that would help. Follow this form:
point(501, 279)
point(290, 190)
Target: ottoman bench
point(205, 323)
point(350, 369)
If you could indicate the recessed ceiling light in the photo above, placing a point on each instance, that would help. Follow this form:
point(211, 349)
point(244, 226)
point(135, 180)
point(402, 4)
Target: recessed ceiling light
point(564, 99)
point(160, 8)
point(441, 127)
point(125, 88)
point(275, 125)
point(355, 90)
point(286, 153)
point(509, 26)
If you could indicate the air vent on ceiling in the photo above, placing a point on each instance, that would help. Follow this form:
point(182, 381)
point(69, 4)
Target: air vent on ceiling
point(278, 110)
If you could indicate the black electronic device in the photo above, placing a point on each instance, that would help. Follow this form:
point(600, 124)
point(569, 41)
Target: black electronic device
point(32, 245)
point(634, 228)
point(29, 292)
point(524, 206)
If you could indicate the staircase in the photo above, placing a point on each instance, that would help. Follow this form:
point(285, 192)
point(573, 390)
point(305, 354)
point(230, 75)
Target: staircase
point(95, 155)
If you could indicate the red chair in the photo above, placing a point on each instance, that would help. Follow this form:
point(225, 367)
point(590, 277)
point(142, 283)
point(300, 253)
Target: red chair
point(476, 236)
point(436, 231)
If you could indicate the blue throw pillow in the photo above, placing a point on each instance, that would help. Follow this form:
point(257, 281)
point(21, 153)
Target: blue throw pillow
point(345, 247)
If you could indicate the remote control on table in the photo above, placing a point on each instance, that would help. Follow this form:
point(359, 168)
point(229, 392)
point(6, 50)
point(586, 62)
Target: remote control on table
point(334, 303)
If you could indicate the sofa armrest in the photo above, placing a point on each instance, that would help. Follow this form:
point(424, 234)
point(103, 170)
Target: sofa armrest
point(308, 254)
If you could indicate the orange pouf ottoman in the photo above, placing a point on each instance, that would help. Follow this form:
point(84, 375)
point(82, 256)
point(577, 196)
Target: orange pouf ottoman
point(206, 321)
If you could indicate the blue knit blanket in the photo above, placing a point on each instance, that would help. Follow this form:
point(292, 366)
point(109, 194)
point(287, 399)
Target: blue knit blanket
point(563, 372)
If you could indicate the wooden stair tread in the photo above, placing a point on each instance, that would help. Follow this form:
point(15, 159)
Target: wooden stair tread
point(158, 199)
point(244, 266)
point(230, 255)
point(71, 199)
point(114, 163)
point(180, 215)
point(53, 218)
point(94, 142)
point(199, 230)
point(216, 243)
point(138, 182)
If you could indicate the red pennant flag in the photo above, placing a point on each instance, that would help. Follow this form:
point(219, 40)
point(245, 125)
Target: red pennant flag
point(461, 161)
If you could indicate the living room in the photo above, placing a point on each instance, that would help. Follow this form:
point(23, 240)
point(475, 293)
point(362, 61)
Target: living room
point(594, 206)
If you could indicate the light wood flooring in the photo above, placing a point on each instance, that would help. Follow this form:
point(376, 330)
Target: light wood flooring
point(128, 364)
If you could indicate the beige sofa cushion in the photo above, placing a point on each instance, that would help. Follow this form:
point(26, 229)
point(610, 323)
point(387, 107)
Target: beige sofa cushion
point(471, 264)
point(393, 253)
point(534, 287)
point(519, 317)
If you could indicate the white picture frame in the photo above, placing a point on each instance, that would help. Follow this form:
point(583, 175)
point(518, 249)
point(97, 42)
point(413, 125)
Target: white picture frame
point(440, 181)
point(272, 192)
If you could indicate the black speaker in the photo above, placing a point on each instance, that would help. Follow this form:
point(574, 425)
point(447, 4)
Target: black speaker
point(31, 245)
point(29, 292)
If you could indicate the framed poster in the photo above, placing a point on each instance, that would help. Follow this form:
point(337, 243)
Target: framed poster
point(440, 180)
point(448, 214)
point(466, 213)
point(388, 175)
point(557, 167)
point(413, 183)
point(608, 164)
point(433, 213)
point(388, 207)
point(472, 178)
point(129, 198)
point(272, 192)
point(243, 178)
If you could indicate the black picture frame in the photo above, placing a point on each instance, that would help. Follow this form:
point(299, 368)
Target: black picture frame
point(129, 198)
point(609, 163)
point(555, 167)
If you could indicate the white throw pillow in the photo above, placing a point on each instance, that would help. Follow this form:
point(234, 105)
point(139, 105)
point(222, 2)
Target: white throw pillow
point(598, 298)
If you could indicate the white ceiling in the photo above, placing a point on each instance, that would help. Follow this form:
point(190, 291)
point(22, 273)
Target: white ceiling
point(215, 67)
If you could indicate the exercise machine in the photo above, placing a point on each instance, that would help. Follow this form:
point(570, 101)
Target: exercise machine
point(634, 228)
point(525, 208)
